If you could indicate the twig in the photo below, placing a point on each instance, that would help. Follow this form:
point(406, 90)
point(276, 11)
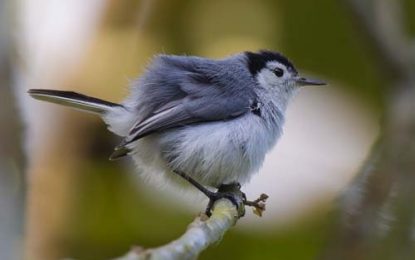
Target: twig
point(201, 233)
point(258, 204)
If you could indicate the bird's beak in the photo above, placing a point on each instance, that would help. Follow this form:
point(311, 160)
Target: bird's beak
point(309, 82)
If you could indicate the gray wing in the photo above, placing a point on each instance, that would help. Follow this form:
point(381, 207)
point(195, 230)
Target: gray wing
point(190, 110)
point(204, 98)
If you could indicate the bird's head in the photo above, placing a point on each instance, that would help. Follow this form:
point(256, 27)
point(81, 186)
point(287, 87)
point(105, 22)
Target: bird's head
point(273, 70)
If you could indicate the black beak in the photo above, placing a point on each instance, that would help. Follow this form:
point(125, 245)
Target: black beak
point(309, 82)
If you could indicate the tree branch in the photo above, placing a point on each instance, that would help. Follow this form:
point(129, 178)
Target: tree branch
point(203, 231)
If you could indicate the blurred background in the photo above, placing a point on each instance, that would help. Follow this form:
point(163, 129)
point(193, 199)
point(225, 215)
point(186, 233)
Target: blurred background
point(60, 197)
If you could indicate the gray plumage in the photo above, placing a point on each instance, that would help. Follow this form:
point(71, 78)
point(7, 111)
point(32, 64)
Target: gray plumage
point(179, 90)
point(212, 119)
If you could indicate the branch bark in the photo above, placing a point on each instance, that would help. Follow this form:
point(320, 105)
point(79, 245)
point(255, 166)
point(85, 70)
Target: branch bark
point(201, 233)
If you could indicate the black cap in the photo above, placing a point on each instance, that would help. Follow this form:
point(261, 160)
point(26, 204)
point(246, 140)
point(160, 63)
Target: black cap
point(258, 60)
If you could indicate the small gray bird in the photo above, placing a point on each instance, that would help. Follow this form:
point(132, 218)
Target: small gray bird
point(208, 121)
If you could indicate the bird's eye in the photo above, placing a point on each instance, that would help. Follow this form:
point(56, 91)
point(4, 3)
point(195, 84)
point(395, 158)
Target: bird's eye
point(278, 72)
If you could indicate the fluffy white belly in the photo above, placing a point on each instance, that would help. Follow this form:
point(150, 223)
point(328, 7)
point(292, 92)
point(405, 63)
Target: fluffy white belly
point(212, 153)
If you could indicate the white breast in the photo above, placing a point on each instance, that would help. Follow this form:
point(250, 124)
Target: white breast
point(212, 153)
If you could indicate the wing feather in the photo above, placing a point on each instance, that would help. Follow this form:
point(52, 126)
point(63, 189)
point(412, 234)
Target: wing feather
point(203, 97)
point(188, 112)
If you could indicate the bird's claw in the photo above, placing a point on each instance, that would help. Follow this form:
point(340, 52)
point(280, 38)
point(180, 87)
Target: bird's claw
point(233, 193)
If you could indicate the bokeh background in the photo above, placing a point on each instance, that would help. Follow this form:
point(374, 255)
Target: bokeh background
point(60, 196)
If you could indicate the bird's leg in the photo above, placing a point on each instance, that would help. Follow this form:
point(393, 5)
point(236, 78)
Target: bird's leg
point(197, 185)
point(231, 192)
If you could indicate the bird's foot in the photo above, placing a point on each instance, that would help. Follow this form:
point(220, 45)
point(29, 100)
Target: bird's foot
point(232, 192)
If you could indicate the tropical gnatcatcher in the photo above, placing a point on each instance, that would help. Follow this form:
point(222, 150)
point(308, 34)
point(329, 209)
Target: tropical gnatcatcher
point(208, 121)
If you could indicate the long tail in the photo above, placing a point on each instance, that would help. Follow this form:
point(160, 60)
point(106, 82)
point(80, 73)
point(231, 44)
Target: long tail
point(74, 100)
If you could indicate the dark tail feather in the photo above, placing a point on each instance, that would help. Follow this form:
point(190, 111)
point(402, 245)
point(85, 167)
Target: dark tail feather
point(74, 100)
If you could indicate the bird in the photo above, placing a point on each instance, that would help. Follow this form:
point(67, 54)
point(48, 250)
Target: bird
point(208, 121)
